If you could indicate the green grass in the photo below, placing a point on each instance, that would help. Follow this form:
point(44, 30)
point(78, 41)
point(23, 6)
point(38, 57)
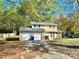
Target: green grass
point(68, 41)
point(2, 39)
point(13, 37)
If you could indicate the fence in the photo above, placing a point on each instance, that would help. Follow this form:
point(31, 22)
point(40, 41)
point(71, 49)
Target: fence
point(3, 35)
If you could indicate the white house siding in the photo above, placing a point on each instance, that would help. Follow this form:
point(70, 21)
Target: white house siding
point(48, 34)
point(57, 35)
point(24, 36)
point(53, 27)
point(54, 35)
point(60, 35)
point(44, 26)
point(37, 36)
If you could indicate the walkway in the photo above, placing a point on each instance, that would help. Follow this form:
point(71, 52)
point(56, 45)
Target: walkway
point(55, 55)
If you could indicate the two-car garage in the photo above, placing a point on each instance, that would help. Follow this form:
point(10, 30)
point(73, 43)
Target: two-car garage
point(26, 33)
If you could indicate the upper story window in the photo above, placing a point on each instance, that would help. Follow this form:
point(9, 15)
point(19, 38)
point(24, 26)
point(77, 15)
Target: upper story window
point(50, 25)
point(53, 26)
point(37, 26)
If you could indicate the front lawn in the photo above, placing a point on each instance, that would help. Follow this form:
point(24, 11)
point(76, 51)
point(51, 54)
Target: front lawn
point(11, 48)
point(68, 41)
point(66, 46)
point(2, 39)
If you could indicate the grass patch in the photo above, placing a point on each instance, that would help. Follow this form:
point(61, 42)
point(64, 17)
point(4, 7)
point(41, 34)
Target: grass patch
point(68, 41)
point(2, 39)
point(13, 38)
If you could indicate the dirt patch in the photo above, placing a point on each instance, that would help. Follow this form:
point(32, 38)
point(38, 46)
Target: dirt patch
point(10, 49)
point(67, 51)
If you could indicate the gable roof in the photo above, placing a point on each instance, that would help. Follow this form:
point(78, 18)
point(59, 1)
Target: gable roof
point(42, 23)
point(31, 30)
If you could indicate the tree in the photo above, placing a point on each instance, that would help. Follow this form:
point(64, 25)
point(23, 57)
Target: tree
point(10, 20)
point(77, 2)
point(39, 10)
point(1, 6)
point(65, 24)
point(27, 10)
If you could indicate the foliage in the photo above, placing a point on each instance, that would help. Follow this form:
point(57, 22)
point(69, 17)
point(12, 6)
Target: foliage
point(69, 24)
point(1, 5)
point(14, 17)
point(77, 2)
point(10, 20)
point(38, 10)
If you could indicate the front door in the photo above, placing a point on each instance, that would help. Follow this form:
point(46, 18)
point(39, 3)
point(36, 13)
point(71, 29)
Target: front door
point(46, 37)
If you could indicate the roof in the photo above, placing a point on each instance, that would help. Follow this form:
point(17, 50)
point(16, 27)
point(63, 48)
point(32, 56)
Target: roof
point(42, 23)
point(31, 30)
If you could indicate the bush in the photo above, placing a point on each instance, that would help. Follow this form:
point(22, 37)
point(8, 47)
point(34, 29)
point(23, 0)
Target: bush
point(12, 39)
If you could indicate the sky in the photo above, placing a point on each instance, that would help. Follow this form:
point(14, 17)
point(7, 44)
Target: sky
point(7, 4)
point(67, 7)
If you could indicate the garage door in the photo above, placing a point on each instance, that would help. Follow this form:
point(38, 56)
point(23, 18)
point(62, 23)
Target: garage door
point(25, 36)
point(37, 36)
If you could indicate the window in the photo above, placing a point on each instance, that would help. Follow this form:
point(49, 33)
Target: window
point(50, 25)
point(54, 26)
point(39, 26)
point(34, 25)
point(51, 34)
point(46, 37)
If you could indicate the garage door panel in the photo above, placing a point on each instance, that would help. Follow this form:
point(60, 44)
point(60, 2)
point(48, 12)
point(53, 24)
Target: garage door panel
point(37, 36)
point(25, 36)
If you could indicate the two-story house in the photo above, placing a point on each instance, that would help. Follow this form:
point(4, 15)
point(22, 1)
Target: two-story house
point(41, 30)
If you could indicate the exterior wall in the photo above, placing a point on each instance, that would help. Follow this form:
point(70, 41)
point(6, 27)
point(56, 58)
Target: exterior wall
point(37, 36)
point(57, 35)
point(47, 34)
point(40, 26)
point(53, 27)
point(51, 36)
point(60, 35)
point(54, 35)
